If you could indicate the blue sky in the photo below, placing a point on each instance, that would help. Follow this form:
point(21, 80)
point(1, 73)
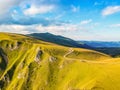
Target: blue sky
point(76, 19)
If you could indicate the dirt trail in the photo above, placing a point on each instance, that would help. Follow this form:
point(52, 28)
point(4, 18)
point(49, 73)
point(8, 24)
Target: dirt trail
point(100, 62)
point(89, 61)
point(69, 52)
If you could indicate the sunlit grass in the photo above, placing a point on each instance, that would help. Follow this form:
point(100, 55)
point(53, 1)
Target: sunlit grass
point(58, 67)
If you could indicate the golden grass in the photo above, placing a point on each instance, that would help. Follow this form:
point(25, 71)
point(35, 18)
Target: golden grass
point(58, 68)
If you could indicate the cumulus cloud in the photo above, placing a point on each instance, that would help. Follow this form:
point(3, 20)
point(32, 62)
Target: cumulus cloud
point(110, 10)
point(39, 28)
point(15, 29)
point(86, 22)
point(12, 11)
point(62, 28)
point(20, 20)
point(58, 29)
point(6, 5)
point(38, 9)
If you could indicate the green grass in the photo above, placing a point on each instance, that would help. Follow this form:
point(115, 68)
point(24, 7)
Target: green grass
point(88, 55)
point(58, 68)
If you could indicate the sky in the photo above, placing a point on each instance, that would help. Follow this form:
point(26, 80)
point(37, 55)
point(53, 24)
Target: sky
point(77, 19)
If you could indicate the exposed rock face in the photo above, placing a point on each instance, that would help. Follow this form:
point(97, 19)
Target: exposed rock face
point(4, 59)
point(11, 45)
point(52, 59)
point(38, 56)
point(3, 65)
point(15, 46)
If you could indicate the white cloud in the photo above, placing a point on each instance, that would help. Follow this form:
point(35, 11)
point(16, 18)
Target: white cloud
point(55, 29)
point(64, 28)
point(75, 8)
point(37, 6)
point(38, 9)
point(74, 31)
point(23, 29)
point(5, 5)
point(115, 25)
point(110, 10)
point(14, 29)
point(58, 29)
point(86, 22)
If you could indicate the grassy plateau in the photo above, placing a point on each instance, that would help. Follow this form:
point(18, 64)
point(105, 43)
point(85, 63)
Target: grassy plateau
point(31, 64)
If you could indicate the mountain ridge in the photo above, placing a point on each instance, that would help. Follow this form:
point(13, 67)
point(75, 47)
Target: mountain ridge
point(100, 44)
point(58, 39)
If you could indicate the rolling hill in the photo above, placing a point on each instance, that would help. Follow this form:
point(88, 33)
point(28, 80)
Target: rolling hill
point(57, 39)
point(30, 64)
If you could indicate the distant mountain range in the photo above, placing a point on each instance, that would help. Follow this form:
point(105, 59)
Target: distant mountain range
point(57, 39)
point(101, 44)
point(112, 48)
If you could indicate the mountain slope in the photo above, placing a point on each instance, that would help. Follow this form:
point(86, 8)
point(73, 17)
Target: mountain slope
point(58, 40)
point(30, 64)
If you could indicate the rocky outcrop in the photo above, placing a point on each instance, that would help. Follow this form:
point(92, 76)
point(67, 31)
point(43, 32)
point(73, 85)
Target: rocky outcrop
point(4, 59)
point(38, 56)
point(52, 59)
point(15, 45)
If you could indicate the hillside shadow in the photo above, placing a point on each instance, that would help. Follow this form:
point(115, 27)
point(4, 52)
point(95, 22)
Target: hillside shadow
point(4, 60)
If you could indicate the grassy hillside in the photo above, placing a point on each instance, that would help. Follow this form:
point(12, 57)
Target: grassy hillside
point(114, 52)
point(30, 64)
